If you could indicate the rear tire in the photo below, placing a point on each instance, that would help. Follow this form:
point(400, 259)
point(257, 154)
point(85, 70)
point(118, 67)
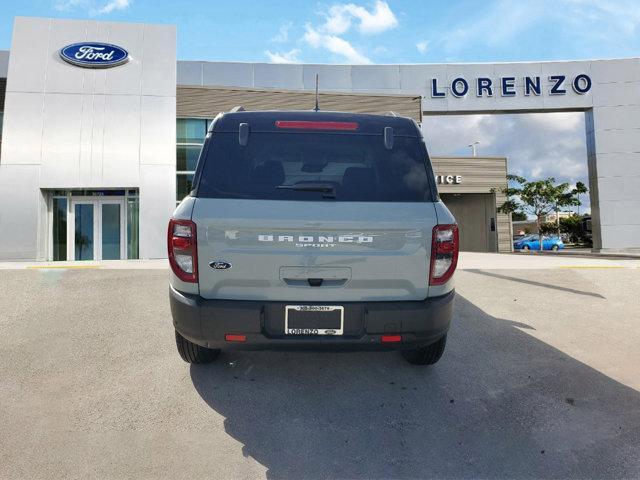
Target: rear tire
point(555, 248)
point(525, 247)
point(426, 355)
point(194, 353)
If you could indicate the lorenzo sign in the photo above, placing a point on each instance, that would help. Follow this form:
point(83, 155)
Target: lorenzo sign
point(506, 86)
point(94, 55)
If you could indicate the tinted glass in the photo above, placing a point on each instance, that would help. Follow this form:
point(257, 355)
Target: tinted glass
point(296, 166)
point(133, 228)
point(84, 231)
point(187, 158)
point(184, 185)
point(59, 229)
point(97, 193)
point(110, 231)
point(191, 130)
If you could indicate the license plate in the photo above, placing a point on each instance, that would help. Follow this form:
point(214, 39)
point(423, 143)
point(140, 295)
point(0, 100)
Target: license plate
point(313, 320)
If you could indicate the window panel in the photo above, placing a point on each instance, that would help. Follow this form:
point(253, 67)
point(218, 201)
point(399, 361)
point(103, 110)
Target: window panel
point(191, 130)
point(111, 231)
point(184, 184)
point(59, 229)
point(84, 231)
point(133, 228)
point(355, 168)
point(187, 158)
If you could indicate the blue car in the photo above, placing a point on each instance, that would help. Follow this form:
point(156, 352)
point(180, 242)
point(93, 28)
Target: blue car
point(532, 242)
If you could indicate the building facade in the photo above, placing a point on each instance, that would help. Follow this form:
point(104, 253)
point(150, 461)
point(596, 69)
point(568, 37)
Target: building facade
point(471, 187)
point(93, 160)
point(87, 168)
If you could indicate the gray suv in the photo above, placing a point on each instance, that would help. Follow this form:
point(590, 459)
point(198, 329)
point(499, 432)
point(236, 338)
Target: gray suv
point(312, 230)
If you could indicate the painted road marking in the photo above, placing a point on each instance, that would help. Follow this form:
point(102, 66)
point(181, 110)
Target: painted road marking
point(596, 266)
point(62, 266)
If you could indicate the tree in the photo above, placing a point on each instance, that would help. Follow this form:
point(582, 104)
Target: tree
point(572, 226)
point(548, 227)
point(540, 198)
point(518, 216)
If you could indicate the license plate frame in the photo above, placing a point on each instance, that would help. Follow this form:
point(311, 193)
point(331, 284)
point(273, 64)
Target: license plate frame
point(313, 331)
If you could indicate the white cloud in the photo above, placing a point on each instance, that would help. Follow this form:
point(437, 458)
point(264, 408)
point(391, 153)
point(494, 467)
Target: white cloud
point(339, 20)
point(284, 57)
point(340, 16)
point(63, 5)
point(558, 122)
point(92, 7)
point(422, 46)
point(283, 33)
point(334, 44)
point(114, 5)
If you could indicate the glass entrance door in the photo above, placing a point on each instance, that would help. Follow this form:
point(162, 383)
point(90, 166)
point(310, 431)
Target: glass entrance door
point(84, 230)
point(97, 229)
point(112, 228)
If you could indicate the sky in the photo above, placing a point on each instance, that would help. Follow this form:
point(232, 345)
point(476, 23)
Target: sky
point(399, 31)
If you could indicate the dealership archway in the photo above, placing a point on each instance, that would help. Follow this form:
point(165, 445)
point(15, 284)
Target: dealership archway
point(606, 91)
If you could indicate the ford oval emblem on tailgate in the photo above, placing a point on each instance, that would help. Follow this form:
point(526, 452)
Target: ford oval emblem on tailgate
point(220, 265)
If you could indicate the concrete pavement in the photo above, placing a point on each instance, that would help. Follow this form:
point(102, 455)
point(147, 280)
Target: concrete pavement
point(540, 379)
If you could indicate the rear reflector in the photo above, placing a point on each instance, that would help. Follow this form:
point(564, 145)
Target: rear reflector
point(232, 337)
point(307, 125)
point(391, 338)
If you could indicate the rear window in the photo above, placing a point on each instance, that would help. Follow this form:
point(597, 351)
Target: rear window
point(315, 166)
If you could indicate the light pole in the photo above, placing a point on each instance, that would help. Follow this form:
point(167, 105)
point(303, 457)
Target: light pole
point(473, 147)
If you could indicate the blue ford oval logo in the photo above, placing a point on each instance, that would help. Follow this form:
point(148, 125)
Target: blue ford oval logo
point(220, 265)
point(94, 55)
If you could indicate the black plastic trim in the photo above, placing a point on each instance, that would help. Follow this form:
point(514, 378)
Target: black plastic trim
point(205, 322)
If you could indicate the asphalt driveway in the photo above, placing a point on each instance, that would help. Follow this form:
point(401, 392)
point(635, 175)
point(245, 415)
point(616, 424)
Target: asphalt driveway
point(541, 378)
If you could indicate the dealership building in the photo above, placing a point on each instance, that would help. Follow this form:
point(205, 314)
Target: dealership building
point(102, 127)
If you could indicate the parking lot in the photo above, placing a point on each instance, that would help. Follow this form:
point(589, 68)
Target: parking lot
point(541, 378)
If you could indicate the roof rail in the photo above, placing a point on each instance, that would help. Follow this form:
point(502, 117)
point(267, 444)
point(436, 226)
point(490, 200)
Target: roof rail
point(391, 114)
point(238, 108)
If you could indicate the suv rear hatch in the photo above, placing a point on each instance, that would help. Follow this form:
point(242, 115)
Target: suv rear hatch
point(314, 211)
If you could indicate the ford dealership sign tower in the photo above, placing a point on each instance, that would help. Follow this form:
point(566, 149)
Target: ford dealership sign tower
point(99, 143)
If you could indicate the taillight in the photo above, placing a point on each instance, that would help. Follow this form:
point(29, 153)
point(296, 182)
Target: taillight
point(183, 251)
point(444, 253)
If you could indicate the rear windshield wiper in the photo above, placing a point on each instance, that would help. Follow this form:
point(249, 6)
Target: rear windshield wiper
point(327, 189)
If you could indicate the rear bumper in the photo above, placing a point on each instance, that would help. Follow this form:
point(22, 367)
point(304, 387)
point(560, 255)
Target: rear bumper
point(206, 322)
